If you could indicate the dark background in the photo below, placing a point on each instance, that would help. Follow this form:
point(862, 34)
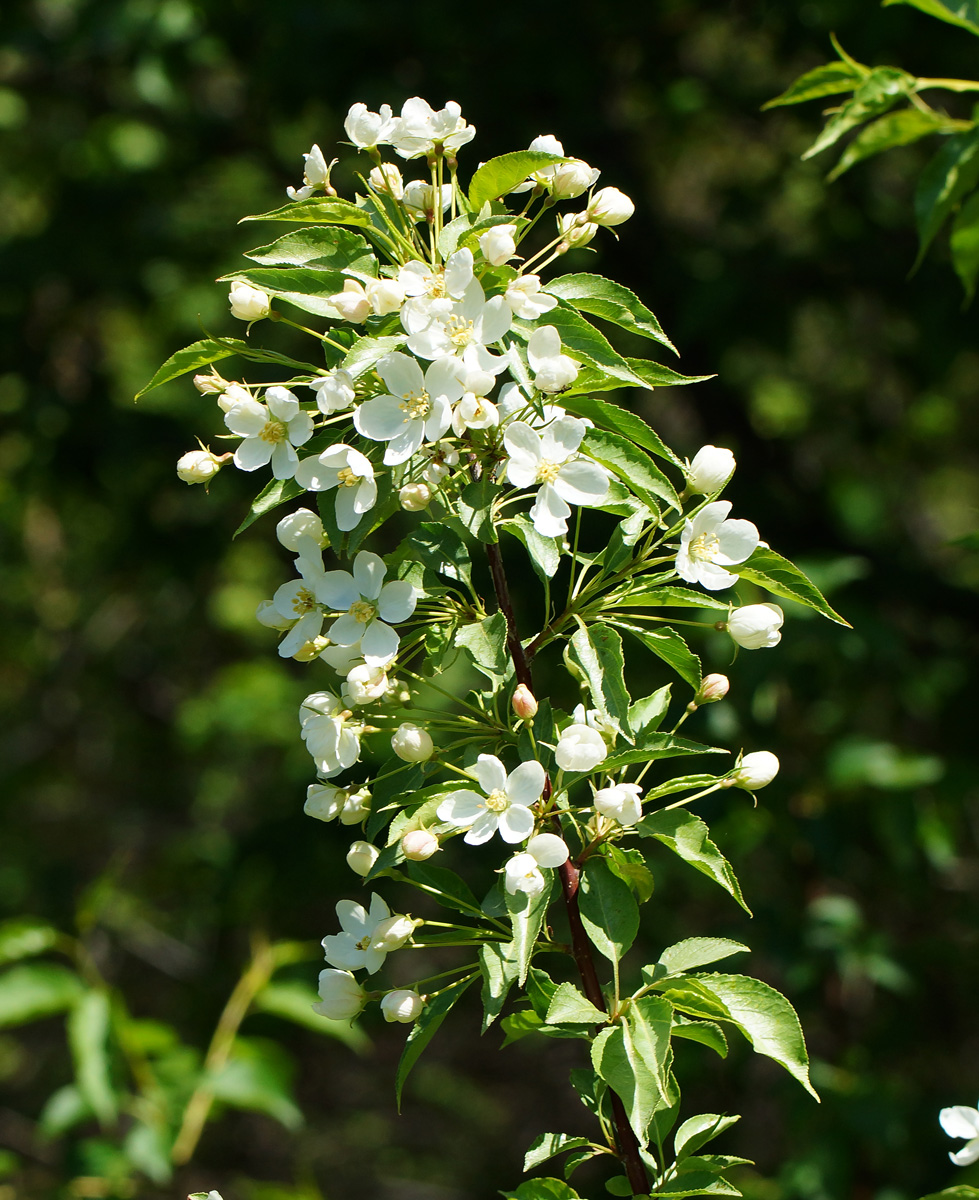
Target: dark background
point(151, 769)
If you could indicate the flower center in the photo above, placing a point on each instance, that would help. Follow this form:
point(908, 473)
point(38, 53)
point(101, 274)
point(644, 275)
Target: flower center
point(274, 431)
point(363, 611)
point(705, 546)
point(304, 602)
point(417, 405)
point(435, 286)
point(497, 801)
point(460, 331)
point(363, 943)
point(547, 471)
point(347, 477)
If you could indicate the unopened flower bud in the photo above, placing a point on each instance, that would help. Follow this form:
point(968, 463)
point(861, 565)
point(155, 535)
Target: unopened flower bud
point(233, 394)
point(387, 178)
point(754, 771)
point(712, 687)
point(524, 702)
point(419, 844)
point(497, 244)
point(710, 470)
point(620, 802)
point(248, 303)
point(402, 1005)
point(392, 933)
point(571, 179)
point(386, 296)
point(412, 743)
point(341, 996)
point(610, 207)
point(576, 229)
point(756, 626)
point(198, 466)
point(210, 384)
point(352, 303)
point(361, 857)
point(415, 497)
point(356, 807)
point(299, 524)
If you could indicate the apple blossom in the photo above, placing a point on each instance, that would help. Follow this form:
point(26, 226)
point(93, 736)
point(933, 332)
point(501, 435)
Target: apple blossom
point(356, 807)
point(710, 470)
point(470, 324)
point(330, 739)
point(441, 458)
point(303, 523)
point(365, 684)
point(268, 615)
point(347, 470)
point(402, 1005)
point(756, 626)
point(416, 407)
point(361, 944)
point(367, 603)
point(522, 873)
point(548, 850)
point(474, 412)
point(754, 771)
point(427, 286)
point(324, 801)
point(199, 466)
point(525, 298)
point(505, 804)
point(551, 459)
point(572, 179)
point(419, 199)
point(334, 392)
point(353, 304)
point(580, 748)
point(709, 543)
point(419, 845)
point(412, 743)
point(421, 130)
point(712, 687)
point(415, 497)
point(553, 371)
point(392, 933)
point(315, 175)
point(575, 229)
point(210, 384)
point(368, 129)
point(962, 1122)
point(609, 207)
point(341, 996)
point(497, 244)
point(233, 394)
point(361, 857)
point(387, 179)
point(386, 295)
point(524, 702)
point(271, 431)
point(620, 802)
point(249, 303)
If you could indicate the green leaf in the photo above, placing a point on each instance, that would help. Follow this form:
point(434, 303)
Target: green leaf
point(657, 745)
point(325, 246)
point(25, 937)
point(944, 184)
point(527, 915)
point(569, 1007)
point(548, 1145)
point(89, 1024)
point(323, 210)
point(502, 174)
point(542, 1189)
point(276, 492)
point(258, 1077)
point(646, 714)
point(698, 952)
point(766, 1019)
point(293, 1001)
point(687, 995)
point(698, 1131)
point(782, 578)
point(896, 129)
point(707, 1033)
point(634, 1059)
point(63, 1110)
point(878, 92)
point(629, 464)
point(630, 867)
point(696, 1183)
point(597, 651)
point(306, 288)
point(583, 342)
point(687, 836)
point(827, 80)
point(963, 13)
point(608, 909)
point(368, 351)
point(36, 990)
point(611, 301)
point(425, 1028)
point(148, 1148)
point(638, 594)
point(499, 970)
point(485, 641)
point(544, 552)
point(452, 891)
point(192, 358)
point(437, 546)
point(668, 645)
point(961, 1191)
point(475, 508)
point(965, 244)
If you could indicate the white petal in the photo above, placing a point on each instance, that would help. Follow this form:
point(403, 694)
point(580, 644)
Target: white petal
point(545, 343)
point(300, 428)
point(401, 374)
point(712, 577)
point(960, 1121)
point(490, 773)
point(526, 783)
point(345, 630)
point(967, 1155)
point(284, 461)
point(562, 438)
point(247, 418)
point(379, 643)
point(369, 572)
point(483, 829)
point(252, 454)
point(709, 517)
point(550, 513)
point(458, 272)
point(283, 405)
point(494, 321)
point(397, 601)
point(581, 482)
point(314, 475)
point(460, 808)
point(444, 378)
point(403, 445)
point(516, 824)
point(352, 917)
point(523, 445)
point(337, 589)
point(380, 419)
point(737, 541)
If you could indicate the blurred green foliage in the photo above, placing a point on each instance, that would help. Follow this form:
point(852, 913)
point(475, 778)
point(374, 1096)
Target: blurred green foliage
point(151, 770)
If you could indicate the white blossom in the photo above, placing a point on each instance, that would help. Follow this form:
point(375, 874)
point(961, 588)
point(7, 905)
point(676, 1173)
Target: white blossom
point(756, 626)
point(367, 604)
point(347, 470)
point(249, 303)
point(361, 857)
point(505, 804)
point(620, 802)
point(474, 412)
point(356, 806)
point(525, 298)
point(268, 615)
point(341, 996)
point(362, 942)
point(421, 130)
point(315, 175)
point(353, 304)
point(580, 748)
point(441, 458)
point(609, 207)
point(416, 407)
point(387, 179)
point(420, 201)
point(271, 432)
point(334, 392)
point(365, 684)
point(233, 394)
point(553, 371)
point(548, 850)
point(471, 323)
point(199, 466)
point(962, 1122)
point(710, 470)
point(712, 687)
point(551, 459)
point(497, 244)
point(709, 543)
point(330, 737)
point(385, 295)
point(419, 845)
point(412, 743)
point(300, 600)
point(576, 229)
point(414, 497)
point(402, 1005)
point(324, 801)
point(367, 129)
point(524, 702)
point(303, 523)
point(522, 873)
point(754, 771)
point(571, 179)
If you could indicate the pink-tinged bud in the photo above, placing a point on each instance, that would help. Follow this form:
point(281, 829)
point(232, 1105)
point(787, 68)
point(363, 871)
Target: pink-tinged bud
point(211, 384)
point(713, 687)
point(524, 703)
point(419, 844)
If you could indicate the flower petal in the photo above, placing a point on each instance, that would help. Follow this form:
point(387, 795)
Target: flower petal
point(380, 419)
point(516, 824)
point(460, 808)
point(397, 601)
point(960, 1121)
point(581, 482)
point(484, 827)
point(379, 643)
point(253, 453)
point(737, 540)
point(369, 572)
point(401, 374)
point(490, 773)
point(550, 513)
point(525, 784)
